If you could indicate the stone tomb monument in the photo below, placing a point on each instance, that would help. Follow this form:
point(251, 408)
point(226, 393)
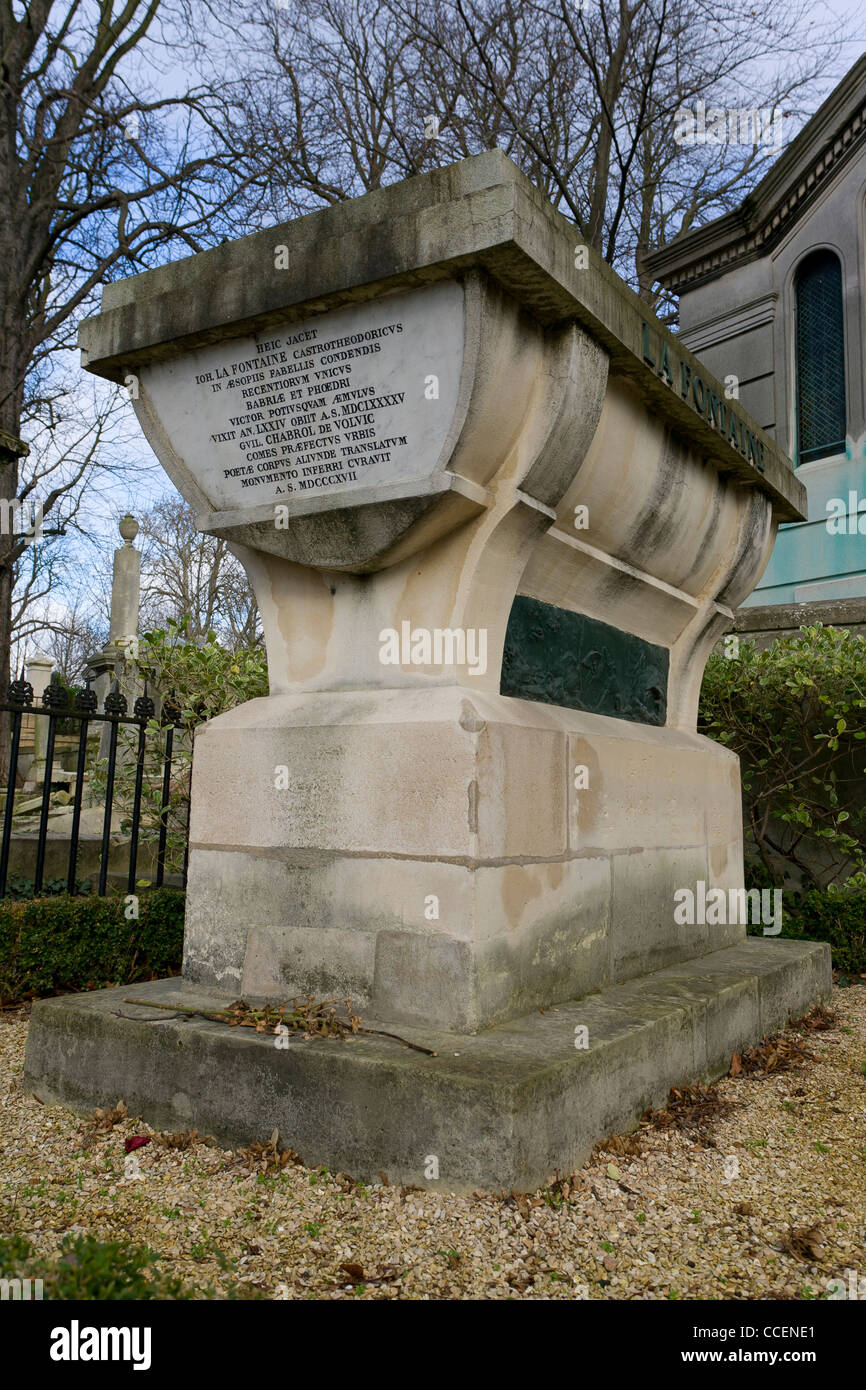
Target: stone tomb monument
point(496, 518)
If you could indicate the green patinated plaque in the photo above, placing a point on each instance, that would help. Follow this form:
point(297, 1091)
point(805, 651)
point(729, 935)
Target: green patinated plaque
point(564, 658)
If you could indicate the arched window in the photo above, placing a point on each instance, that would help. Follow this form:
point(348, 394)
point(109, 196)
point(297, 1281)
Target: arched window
point(820, 361)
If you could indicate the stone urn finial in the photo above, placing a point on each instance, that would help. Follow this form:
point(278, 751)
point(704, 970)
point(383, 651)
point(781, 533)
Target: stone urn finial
point(128, 527)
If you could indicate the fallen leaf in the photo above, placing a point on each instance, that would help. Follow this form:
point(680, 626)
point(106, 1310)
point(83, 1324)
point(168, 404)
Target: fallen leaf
point(804, 1242)
point(627, 1145)
point(106, 1119)
point(136, 1141)
point(184, 1139)
point(819, 1020)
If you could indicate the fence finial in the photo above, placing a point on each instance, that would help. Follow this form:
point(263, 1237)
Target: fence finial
point(115, 703)
point(21, 691)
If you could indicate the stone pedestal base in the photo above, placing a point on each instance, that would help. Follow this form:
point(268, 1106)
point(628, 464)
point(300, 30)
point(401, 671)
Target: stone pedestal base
point(505, 1109)
point(447, 858)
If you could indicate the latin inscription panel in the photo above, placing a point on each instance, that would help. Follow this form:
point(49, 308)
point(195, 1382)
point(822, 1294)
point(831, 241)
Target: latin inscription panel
point(357, 397)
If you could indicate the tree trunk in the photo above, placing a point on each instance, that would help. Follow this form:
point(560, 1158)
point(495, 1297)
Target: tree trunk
point(11, 449)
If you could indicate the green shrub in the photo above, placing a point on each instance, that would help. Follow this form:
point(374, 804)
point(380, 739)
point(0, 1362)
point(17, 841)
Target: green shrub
point(197, 680)
point(19, 887)
point(795, 714)
point(88, 1270)
point(92, 1270)
point(837, 918)
point(50, 945)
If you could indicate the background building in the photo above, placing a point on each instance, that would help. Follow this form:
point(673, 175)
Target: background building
point(772, 294)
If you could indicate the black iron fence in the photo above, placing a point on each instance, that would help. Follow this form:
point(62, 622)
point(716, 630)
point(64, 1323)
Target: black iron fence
point(77, 710)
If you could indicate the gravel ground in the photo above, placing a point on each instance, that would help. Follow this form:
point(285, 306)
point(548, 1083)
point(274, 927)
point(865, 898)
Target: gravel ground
point(761, 1198)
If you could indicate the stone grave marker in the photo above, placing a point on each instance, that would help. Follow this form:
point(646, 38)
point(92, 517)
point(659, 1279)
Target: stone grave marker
point(496, 518)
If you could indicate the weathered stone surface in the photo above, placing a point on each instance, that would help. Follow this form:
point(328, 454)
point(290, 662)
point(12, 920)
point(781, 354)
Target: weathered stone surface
point(505, 1109)
point(223, 415)
point(644, 934)
point(477, 212)
point(763, 624)
point(472, 843)
point(489, 388)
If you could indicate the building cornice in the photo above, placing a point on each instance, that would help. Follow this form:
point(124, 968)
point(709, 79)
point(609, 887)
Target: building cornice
point(814, 158)
point(718, 329)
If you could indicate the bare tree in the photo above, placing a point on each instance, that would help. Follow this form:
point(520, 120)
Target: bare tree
point(322, 100)
point(584, 96)
point(186, 574)
point(97, 180)
point(68, 450)
point(67, 633)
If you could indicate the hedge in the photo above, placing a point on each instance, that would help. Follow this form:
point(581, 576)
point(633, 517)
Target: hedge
point(837, 918)
point(52, 945)
point(795, 713)
point(87, 1269)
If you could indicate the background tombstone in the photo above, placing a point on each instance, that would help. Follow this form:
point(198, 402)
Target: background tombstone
point(111, 663)
point(37, 671)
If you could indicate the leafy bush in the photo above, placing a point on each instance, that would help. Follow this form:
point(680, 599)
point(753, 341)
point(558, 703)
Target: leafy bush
point(19, 887)
point(837, 918)
point(49, 945)
point(88, 1270)
point(91, 1270)
point(197, 681)
point(795, 714)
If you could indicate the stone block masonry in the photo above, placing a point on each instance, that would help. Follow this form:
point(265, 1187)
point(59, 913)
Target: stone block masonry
point(494, 529)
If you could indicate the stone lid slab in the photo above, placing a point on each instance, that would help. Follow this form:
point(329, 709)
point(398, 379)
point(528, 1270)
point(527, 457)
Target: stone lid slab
point(481, 212)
